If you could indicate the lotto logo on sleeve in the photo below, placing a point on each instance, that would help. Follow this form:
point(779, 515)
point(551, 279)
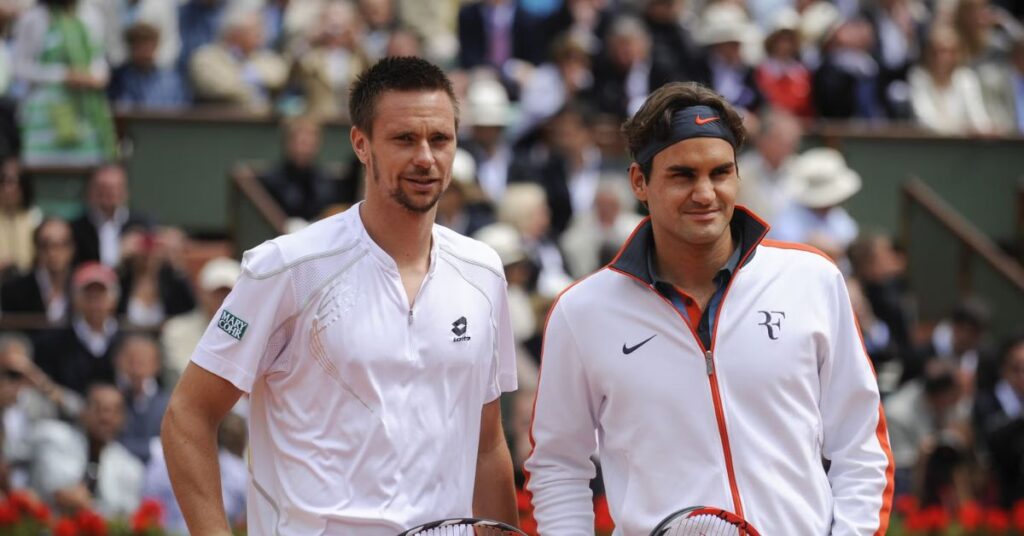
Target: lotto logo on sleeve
point(232, 325)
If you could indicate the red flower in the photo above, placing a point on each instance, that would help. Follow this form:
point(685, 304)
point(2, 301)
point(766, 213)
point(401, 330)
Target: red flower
point(21, 502)
point(91, 524)
point(906, 504)
point(997, 521)
point(41, 513)
point(8, 515)
point(602, 517)
point(65, 527)
point(1018, 516)
point(149, 516)
point(928, 519)
point(971, 516)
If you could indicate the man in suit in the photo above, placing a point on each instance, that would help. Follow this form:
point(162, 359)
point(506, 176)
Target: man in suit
point(98, 231)
point(137, 365)
point(494, 32)
point(237, 70)
point(80, 354)
point(44, 290)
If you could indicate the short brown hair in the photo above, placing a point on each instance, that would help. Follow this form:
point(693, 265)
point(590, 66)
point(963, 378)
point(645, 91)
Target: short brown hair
point(654, 119)
point(395, 74)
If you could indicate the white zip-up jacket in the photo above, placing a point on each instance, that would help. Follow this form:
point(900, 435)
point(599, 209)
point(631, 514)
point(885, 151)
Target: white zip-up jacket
point(744, 425)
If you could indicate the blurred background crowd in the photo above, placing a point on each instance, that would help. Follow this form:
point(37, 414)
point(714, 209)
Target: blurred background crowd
point(101, 308)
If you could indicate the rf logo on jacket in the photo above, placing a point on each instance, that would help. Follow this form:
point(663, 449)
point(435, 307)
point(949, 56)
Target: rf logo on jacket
point(773, 327)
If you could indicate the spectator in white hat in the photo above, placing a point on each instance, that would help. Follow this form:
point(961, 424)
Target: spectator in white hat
point(181, 333)
point(488, 114)
point(820, 181)
point(724, 29)
point(781, 76)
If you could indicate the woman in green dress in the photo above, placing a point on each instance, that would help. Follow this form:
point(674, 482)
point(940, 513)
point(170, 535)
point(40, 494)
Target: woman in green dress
point(60, 68)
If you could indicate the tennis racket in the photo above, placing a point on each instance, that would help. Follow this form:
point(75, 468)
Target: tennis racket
point(704, 521)
point(464, 527)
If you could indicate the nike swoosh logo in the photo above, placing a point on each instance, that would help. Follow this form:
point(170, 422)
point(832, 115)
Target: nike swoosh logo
point(630, 349)
point(701, 121)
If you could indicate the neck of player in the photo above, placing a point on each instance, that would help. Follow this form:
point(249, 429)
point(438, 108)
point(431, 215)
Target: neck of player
point(691, 267)
point(403, 234)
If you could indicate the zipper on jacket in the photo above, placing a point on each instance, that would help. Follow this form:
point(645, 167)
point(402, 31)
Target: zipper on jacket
point(711, 364)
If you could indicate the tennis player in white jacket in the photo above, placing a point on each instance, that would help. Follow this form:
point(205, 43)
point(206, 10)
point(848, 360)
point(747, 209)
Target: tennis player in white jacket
point(705, 365)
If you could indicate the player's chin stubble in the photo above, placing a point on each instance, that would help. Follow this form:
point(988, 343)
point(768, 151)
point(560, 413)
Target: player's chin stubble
point(403, 199)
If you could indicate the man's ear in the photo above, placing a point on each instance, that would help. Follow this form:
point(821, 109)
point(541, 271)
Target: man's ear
point(360, 144)
point(638, 182)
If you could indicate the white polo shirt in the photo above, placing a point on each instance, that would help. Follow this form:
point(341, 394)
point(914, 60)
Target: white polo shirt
point(365, 413)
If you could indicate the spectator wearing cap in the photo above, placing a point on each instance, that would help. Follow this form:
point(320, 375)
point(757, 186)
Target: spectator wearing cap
point(119, 16)
point(302, 187)
point(106, 218)
point(152, 288)
point(781, 76)
point(181, 334)
point(140, 82)
point(488, 114)
point(237, 71)
point(45, 290)
point(846, 84)
point(763, 169)
point(820, 181)
point(724, 28)
point(137, 365)
point(333, 60)
point(83, 467)
point(945, 94)
point(80, 354)
point(463, 207)
point(998, 416)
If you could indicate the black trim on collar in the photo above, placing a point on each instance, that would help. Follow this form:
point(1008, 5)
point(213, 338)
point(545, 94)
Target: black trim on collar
point(632, 258)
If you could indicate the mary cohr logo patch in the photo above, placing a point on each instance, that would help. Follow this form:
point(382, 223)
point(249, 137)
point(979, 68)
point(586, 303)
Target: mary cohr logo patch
point(232, 325)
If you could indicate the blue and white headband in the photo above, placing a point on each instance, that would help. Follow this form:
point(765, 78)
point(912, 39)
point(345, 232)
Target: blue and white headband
point(691, 122)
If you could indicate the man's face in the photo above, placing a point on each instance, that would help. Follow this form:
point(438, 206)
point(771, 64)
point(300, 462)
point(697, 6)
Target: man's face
point(303, 144)
point(409, 156)
point(1013, 371)
point(143, 53)
point(692, 190)
point(55, 248)
point(138, 361)
point(104, 414)
point(95, 302)
point(108, 190)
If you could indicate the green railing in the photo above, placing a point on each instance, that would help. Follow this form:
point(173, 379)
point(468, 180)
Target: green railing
point(948, 258)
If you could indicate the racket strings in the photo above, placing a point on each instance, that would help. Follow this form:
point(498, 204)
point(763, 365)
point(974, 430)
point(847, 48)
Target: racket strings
point(464, 530)
point(704, 525)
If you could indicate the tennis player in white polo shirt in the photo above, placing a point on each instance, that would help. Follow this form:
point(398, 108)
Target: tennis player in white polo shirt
point(374, 345)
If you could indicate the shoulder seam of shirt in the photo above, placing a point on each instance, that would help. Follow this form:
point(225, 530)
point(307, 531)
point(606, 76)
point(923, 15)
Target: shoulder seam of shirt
point(300, 260)
point(448, 250)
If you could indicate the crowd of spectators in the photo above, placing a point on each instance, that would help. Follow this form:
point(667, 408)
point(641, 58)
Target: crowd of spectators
point(102, 313)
